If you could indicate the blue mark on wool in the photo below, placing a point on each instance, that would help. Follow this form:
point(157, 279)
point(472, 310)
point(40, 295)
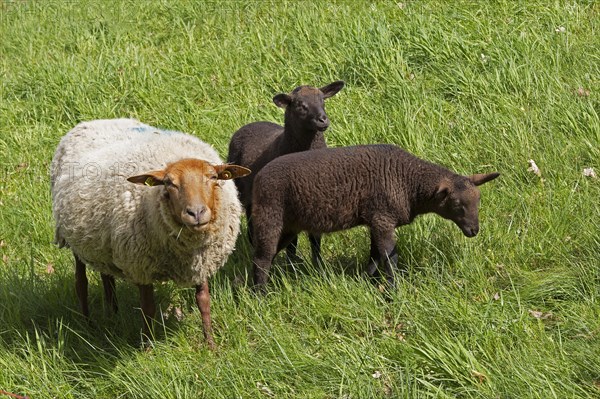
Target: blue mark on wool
point(140, 129)
point(150, 129)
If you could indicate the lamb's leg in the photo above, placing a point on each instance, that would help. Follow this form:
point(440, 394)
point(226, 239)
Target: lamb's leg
point(263, 257)
point(110, 297)
point(315, 248)
point(148, 307)
point(249, 223)
point(384, 239)
point(373, 265)
point(203, 302)
point(81, 286)
point(291, 249)
point(266, 248)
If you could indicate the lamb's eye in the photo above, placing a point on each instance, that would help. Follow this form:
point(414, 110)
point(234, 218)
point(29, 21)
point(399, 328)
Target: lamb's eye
point(301, 106)
point(214, 177)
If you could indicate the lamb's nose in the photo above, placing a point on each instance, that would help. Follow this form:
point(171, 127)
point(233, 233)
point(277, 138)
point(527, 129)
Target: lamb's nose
point(322, 119)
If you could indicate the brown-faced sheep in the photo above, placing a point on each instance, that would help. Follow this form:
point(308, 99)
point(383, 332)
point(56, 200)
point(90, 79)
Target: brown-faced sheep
point(256, 144)
point(380, 186)
point(177, 220)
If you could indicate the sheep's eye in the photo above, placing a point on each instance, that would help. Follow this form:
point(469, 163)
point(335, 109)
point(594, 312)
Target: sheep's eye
point(301, 106)
point(214, 177)
point(169, 184)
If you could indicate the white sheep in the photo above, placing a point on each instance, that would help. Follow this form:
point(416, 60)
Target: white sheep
point(146, 205)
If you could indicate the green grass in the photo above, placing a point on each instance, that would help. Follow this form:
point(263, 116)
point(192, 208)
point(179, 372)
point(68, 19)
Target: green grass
point(475, 86)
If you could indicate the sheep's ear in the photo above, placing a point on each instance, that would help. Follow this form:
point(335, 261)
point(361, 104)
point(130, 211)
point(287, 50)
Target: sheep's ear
point(154, 178)
point(442, 190)
point(481, 178)
point(282, 100)
point(227, 172)
point(332, 88)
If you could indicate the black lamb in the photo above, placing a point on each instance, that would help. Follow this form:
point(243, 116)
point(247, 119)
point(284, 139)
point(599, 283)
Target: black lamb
point(380, 186)
point(256, 144)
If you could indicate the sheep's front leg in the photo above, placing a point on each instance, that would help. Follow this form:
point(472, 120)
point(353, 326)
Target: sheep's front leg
point(148, 307)
point(203, 302)
point(262, 265)
point(81, 286)
point(110, 297)
point(267, 246)
point(249, 228)
point(373, 265)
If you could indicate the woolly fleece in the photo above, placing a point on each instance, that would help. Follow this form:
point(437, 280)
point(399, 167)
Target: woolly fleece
point(125, 229)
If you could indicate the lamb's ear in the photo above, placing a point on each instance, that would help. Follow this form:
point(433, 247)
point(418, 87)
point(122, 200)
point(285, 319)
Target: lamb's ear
point(154, 178)
point(481, 178)
point(442, 190)
point(332, 88)
point(282, 100)
point(226, 172)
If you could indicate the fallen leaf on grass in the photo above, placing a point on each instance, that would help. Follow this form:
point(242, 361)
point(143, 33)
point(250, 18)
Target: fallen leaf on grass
point(22, 165)
point(400, 332)
point(376, 374)
point(264, 389)
point(394, 330)
point(387, 389)
point(540, 315)
point(590, 172)
point(178, 314)
point(534, 168)
point(175, 311)
point(49, 268)
point(581, 92)
point(2, 244)
point(480, 376)
point(496, 296)
point(5, 258)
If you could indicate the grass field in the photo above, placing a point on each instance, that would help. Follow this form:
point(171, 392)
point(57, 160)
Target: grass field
point(475, 86)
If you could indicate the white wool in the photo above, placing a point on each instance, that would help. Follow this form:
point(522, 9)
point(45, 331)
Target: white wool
point(117, 227)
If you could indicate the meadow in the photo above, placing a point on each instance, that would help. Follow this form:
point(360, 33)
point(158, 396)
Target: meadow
point(475, 86)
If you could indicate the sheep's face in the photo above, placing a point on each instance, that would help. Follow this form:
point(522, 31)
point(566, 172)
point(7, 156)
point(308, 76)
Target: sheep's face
point(191, 187)
point(305, 106)
point(458, 200)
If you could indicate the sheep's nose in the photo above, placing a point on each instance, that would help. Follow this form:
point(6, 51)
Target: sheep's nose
point(323, 119)
point(196, 212)
point(322, 122)
point(472, 232)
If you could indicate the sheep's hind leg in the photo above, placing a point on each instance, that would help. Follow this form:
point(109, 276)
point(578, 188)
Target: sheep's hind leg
point(384, 240)
point(315, 249)
point(203, 302)
point(110, 297)
point(148, 308)
point(81, 286)
point(290, 251)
